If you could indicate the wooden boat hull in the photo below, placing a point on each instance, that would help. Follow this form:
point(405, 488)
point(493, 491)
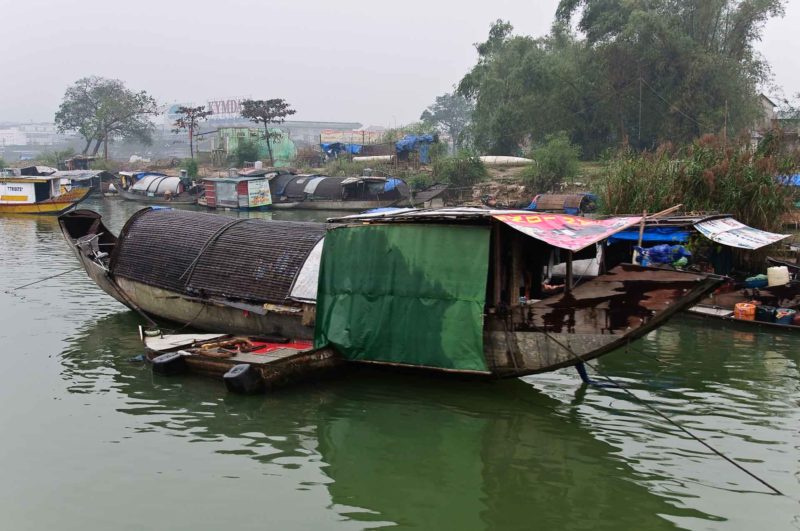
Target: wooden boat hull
point(596, 318)
point(721, 314)
point(180, 199)
point(54, 206)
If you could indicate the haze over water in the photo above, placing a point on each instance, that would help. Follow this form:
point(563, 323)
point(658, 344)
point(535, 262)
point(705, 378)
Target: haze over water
point(91, 440)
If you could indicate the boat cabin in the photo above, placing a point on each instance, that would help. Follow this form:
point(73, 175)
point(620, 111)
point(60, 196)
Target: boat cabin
point(238, 192)
point(24, 190)
point(467, 290)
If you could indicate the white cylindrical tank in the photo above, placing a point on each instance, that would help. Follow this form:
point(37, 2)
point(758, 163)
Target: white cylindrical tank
point(777, 276)
point(258, 165)
point(497, 160)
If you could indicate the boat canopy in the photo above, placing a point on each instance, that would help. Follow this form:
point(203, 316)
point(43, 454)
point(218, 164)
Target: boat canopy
point(158, 184)
point(206, 255)
point(728, 231)
point(564, 231)
point(722, 229)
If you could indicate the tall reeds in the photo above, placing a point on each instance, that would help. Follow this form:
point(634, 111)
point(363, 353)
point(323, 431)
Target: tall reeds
point(710, 175)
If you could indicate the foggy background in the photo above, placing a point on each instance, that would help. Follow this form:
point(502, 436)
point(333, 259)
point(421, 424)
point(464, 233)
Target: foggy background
point(377, 63)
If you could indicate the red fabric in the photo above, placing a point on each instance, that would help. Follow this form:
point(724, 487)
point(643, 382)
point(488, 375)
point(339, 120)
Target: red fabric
point(266, 348)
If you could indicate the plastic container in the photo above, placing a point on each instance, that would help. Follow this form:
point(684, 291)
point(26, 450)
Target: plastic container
point(784, 316)
point(777, 276)
point(758, 281)
point(765, 314)
point(744, 311)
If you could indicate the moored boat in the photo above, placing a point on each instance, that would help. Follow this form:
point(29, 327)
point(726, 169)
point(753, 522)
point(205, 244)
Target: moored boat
point(464, 290)
point(453, 290)
point(244, 276)
point(40, 194)
point(320, 192)
point(156, 188)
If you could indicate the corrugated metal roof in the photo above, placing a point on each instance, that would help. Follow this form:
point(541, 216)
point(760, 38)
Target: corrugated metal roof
point(211, 255)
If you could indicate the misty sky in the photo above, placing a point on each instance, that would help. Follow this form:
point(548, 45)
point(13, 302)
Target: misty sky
point(373, 62)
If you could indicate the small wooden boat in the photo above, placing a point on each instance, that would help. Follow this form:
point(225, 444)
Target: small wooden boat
point(245, 364)
point(722, 305)
point(41, 194)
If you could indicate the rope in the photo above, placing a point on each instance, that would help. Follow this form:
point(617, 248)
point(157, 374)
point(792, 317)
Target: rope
point(43, 279)
point(662, 415)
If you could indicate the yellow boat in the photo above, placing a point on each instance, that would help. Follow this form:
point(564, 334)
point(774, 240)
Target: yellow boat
point(21, 194)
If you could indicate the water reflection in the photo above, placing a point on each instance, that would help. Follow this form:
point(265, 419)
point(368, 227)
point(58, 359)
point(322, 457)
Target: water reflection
point(410, 450)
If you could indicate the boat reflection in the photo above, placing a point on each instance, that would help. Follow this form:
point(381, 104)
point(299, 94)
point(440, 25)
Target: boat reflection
point(409, 450)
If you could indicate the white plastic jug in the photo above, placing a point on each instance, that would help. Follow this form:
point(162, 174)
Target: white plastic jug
point(777, 276)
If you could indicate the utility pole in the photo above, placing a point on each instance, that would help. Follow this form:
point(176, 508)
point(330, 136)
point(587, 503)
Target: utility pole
point(725, 129)
point(640, 111)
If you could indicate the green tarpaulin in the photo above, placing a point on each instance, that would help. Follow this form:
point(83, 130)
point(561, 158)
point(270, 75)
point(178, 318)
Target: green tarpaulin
point(411, 294)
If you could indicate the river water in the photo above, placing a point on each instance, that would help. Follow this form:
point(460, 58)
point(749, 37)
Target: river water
point(91, 440)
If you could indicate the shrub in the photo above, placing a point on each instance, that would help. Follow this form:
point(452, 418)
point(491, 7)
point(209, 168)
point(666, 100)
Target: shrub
point(246, 151)
point(556, 161)
point(460, 171)
point(710, 175)
point(190, 165)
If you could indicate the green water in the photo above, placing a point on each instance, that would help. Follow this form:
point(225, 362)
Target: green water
point(91, 440)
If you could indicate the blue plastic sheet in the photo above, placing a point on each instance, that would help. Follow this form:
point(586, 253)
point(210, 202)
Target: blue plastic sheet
point(790, 180)
point(653, 235)
point(419, 143)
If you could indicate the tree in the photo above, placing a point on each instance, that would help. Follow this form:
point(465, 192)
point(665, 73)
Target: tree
point(627, 73)
point(100, 109)
point(556, 161)
point(187, 121)
point(450, 114)
point(267, 112)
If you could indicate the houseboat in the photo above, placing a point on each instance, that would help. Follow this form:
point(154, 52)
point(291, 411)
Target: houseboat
point(43, 194)
point(320, 192)
point(453, 290)
point(238, 192)
point(156, 188)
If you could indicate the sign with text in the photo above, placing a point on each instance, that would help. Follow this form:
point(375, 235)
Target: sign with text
point(258, 193)
point(732, 233)
point(566, 232)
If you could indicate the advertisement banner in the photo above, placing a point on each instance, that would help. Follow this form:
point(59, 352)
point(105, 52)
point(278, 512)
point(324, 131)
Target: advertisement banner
point(732, 233)
point(564, 231)
point(258, 193)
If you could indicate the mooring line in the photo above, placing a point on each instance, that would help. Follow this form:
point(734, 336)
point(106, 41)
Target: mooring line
point(43, 279)
point(663, 416)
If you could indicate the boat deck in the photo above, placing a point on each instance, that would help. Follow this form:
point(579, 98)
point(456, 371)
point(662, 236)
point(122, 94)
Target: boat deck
point(275, 363)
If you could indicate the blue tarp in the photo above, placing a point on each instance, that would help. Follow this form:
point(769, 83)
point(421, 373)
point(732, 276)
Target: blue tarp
point(391, 184)
point(419, 143)
point(334, 148)
point(790, 180)
point(653, 235)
